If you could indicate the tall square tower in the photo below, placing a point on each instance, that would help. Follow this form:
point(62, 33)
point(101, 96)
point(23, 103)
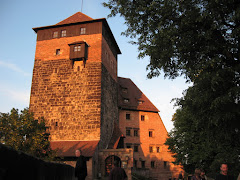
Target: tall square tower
point(74, 84)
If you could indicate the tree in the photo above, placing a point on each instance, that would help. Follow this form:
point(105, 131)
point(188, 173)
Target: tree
point(206, 125)
point(199, 39)
point(182, 37)
point(22, 132)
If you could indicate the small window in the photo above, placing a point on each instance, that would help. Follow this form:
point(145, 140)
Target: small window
point(83, 30)
point(150, 149)
point(126, 100)
point(56, 124)
point(128, 117)
point(55, 34)
point(135, 163)
point(142, 118)
point(135, 148)
point(77, 48)
point(150, 132)
point(136, 132)
point(128, 132)
point(124, 90)
point(158, 149)
point(63, 33)
point(165, 163)
point(128, 146)
point(143, 164)
point(140, 102)
point(152, 164)
point(57, 51)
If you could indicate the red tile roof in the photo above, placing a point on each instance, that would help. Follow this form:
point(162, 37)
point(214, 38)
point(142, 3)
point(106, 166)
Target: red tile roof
point(136, 99)
point(77, 17)
point(68, 148)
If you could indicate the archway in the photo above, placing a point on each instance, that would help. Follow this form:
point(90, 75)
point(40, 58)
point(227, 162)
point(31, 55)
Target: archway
point(109, 163)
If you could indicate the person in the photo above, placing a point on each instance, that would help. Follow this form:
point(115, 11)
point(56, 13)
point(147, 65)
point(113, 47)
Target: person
point(203, 175)
point(224, 173)
point(196, 175)
point(81, 166)
point(117, 173)
point(180, 177)
point(189, 177)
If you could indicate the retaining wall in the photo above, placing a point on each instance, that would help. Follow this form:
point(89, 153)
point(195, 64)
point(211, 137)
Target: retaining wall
point(18, 165)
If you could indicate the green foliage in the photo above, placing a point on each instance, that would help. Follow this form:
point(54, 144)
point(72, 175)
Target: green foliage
point(206, 125)
point(199, 39)
point(182, 37)
point(22, 132)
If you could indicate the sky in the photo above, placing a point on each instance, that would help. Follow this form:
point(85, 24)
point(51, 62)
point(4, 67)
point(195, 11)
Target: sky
point(18, 43)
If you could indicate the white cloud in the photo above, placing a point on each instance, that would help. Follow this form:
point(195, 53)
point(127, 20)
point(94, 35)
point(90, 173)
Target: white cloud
point(14, 68)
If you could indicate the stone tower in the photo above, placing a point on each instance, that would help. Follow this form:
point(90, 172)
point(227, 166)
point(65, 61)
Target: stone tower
point(74, 84)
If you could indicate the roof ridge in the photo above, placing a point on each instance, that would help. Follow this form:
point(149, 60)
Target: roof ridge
point(144, 94)
point(134, 93)
point(77, 17)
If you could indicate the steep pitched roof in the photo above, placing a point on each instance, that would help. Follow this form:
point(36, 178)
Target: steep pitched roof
point(132, 98)
point(68, 148)
point(77, 17)
point(117, 134)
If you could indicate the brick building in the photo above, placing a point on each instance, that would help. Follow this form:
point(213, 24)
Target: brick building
point(86, 106)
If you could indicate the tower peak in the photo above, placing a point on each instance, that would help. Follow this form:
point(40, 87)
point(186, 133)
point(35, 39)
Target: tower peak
point(77, 17)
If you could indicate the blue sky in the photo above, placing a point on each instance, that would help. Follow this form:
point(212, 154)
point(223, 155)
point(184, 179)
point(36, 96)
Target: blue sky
point(17, 51)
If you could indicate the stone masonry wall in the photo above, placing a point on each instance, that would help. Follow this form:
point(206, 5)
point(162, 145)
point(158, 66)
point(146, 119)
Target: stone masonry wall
point(66, 93)
point(109, 60)
point(109, 113)
point(125, 155)
point(109, 96)
point(68, 97)
point(77, 100)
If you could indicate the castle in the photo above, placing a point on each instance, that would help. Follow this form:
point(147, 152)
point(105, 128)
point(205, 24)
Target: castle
point(86, 106)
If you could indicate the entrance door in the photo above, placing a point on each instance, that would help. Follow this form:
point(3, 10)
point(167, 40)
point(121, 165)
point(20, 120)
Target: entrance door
point(109, 161)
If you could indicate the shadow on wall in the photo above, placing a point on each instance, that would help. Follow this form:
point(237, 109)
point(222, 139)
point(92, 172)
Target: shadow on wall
point(18, 165)
point(157, 169)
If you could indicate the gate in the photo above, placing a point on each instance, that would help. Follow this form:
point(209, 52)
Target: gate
point(109, 161)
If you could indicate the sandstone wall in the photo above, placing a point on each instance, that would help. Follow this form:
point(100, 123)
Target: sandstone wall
point(77, 99)
point(69, 98)
point(109, 108)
